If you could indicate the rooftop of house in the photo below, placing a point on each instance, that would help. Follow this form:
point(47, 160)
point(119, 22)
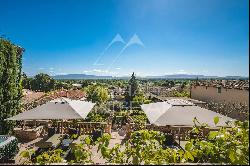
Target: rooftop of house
point(229, 84)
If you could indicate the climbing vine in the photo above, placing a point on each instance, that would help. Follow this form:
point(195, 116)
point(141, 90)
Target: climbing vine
point(10, 83)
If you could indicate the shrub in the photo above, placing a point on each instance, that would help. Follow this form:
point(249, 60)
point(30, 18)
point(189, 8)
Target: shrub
point(226, 146)
point(9, 150)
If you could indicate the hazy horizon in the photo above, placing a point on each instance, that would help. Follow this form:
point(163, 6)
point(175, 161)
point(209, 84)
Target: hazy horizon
point(142, 76)
point(116, 38)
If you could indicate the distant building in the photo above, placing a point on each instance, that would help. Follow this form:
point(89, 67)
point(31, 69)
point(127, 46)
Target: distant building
point(116, 93)
point(77, 85)
point(161, 91)
point(221, 91)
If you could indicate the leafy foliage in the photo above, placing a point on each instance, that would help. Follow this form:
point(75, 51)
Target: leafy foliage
point(82, 154)
point(182, 94)
point(138, 100)
point(100, 113)
point(27, 155)
point(223, 146)
point(53, 156)
point(9, 150)
point(143, 147)
point(132, 89)
point(43, 82)
point(96, 117)
point(10, 83)
point(97, 93)
point(139, 118)
point(226, 146)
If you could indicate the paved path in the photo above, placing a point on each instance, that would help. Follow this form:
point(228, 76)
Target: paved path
point(25, 146)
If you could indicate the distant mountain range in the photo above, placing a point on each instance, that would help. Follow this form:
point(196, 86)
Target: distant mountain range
point(173, 76)
point(181, 76)
point(81, 76)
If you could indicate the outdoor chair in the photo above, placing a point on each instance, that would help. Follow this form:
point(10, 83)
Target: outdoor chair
point(65, 143)
point(51, 131)
point(169, 139)
point(72, 131)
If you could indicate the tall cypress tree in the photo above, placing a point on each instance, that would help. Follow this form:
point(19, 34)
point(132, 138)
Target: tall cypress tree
point(132, 89)
point(10, 83)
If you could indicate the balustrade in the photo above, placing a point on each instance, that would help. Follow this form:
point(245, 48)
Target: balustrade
point(84, 127)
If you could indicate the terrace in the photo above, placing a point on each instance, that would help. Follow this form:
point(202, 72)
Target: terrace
point(62, 129)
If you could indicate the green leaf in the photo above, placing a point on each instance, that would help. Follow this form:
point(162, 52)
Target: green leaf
point(212, 134)
point(188, 146)
point(25, 154)
point(216, 120)
point(87, 140)
point(190, 156)
point(232, 156)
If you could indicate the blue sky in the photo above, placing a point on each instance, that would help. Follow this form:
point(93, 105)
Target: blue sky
point(209, 37)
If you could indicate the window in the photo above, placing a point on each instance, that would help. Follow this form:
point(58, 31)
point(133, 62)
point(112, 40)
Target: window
point(219, 89)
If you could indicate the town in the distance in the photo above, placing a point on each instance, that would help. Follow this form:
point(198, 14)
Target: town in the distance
point(128, 82)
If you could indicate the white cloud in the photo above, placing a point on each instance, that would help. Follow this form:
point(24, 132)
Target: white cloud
point(100, 71)
point(61, 73)
point(86, 71)
point(118, 68)
point(181, 71)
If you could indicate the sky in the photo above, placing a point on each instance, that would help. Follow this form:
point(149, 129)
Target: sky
point(111, 37)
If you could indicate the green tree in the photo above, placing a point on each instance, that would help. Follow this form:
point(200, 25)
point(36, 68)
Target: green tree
point(138, 100)
point(43, 82)
point(10, 83)
point(26, 82)
point(97, 94)
point(132, 89)
point(62, 84)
